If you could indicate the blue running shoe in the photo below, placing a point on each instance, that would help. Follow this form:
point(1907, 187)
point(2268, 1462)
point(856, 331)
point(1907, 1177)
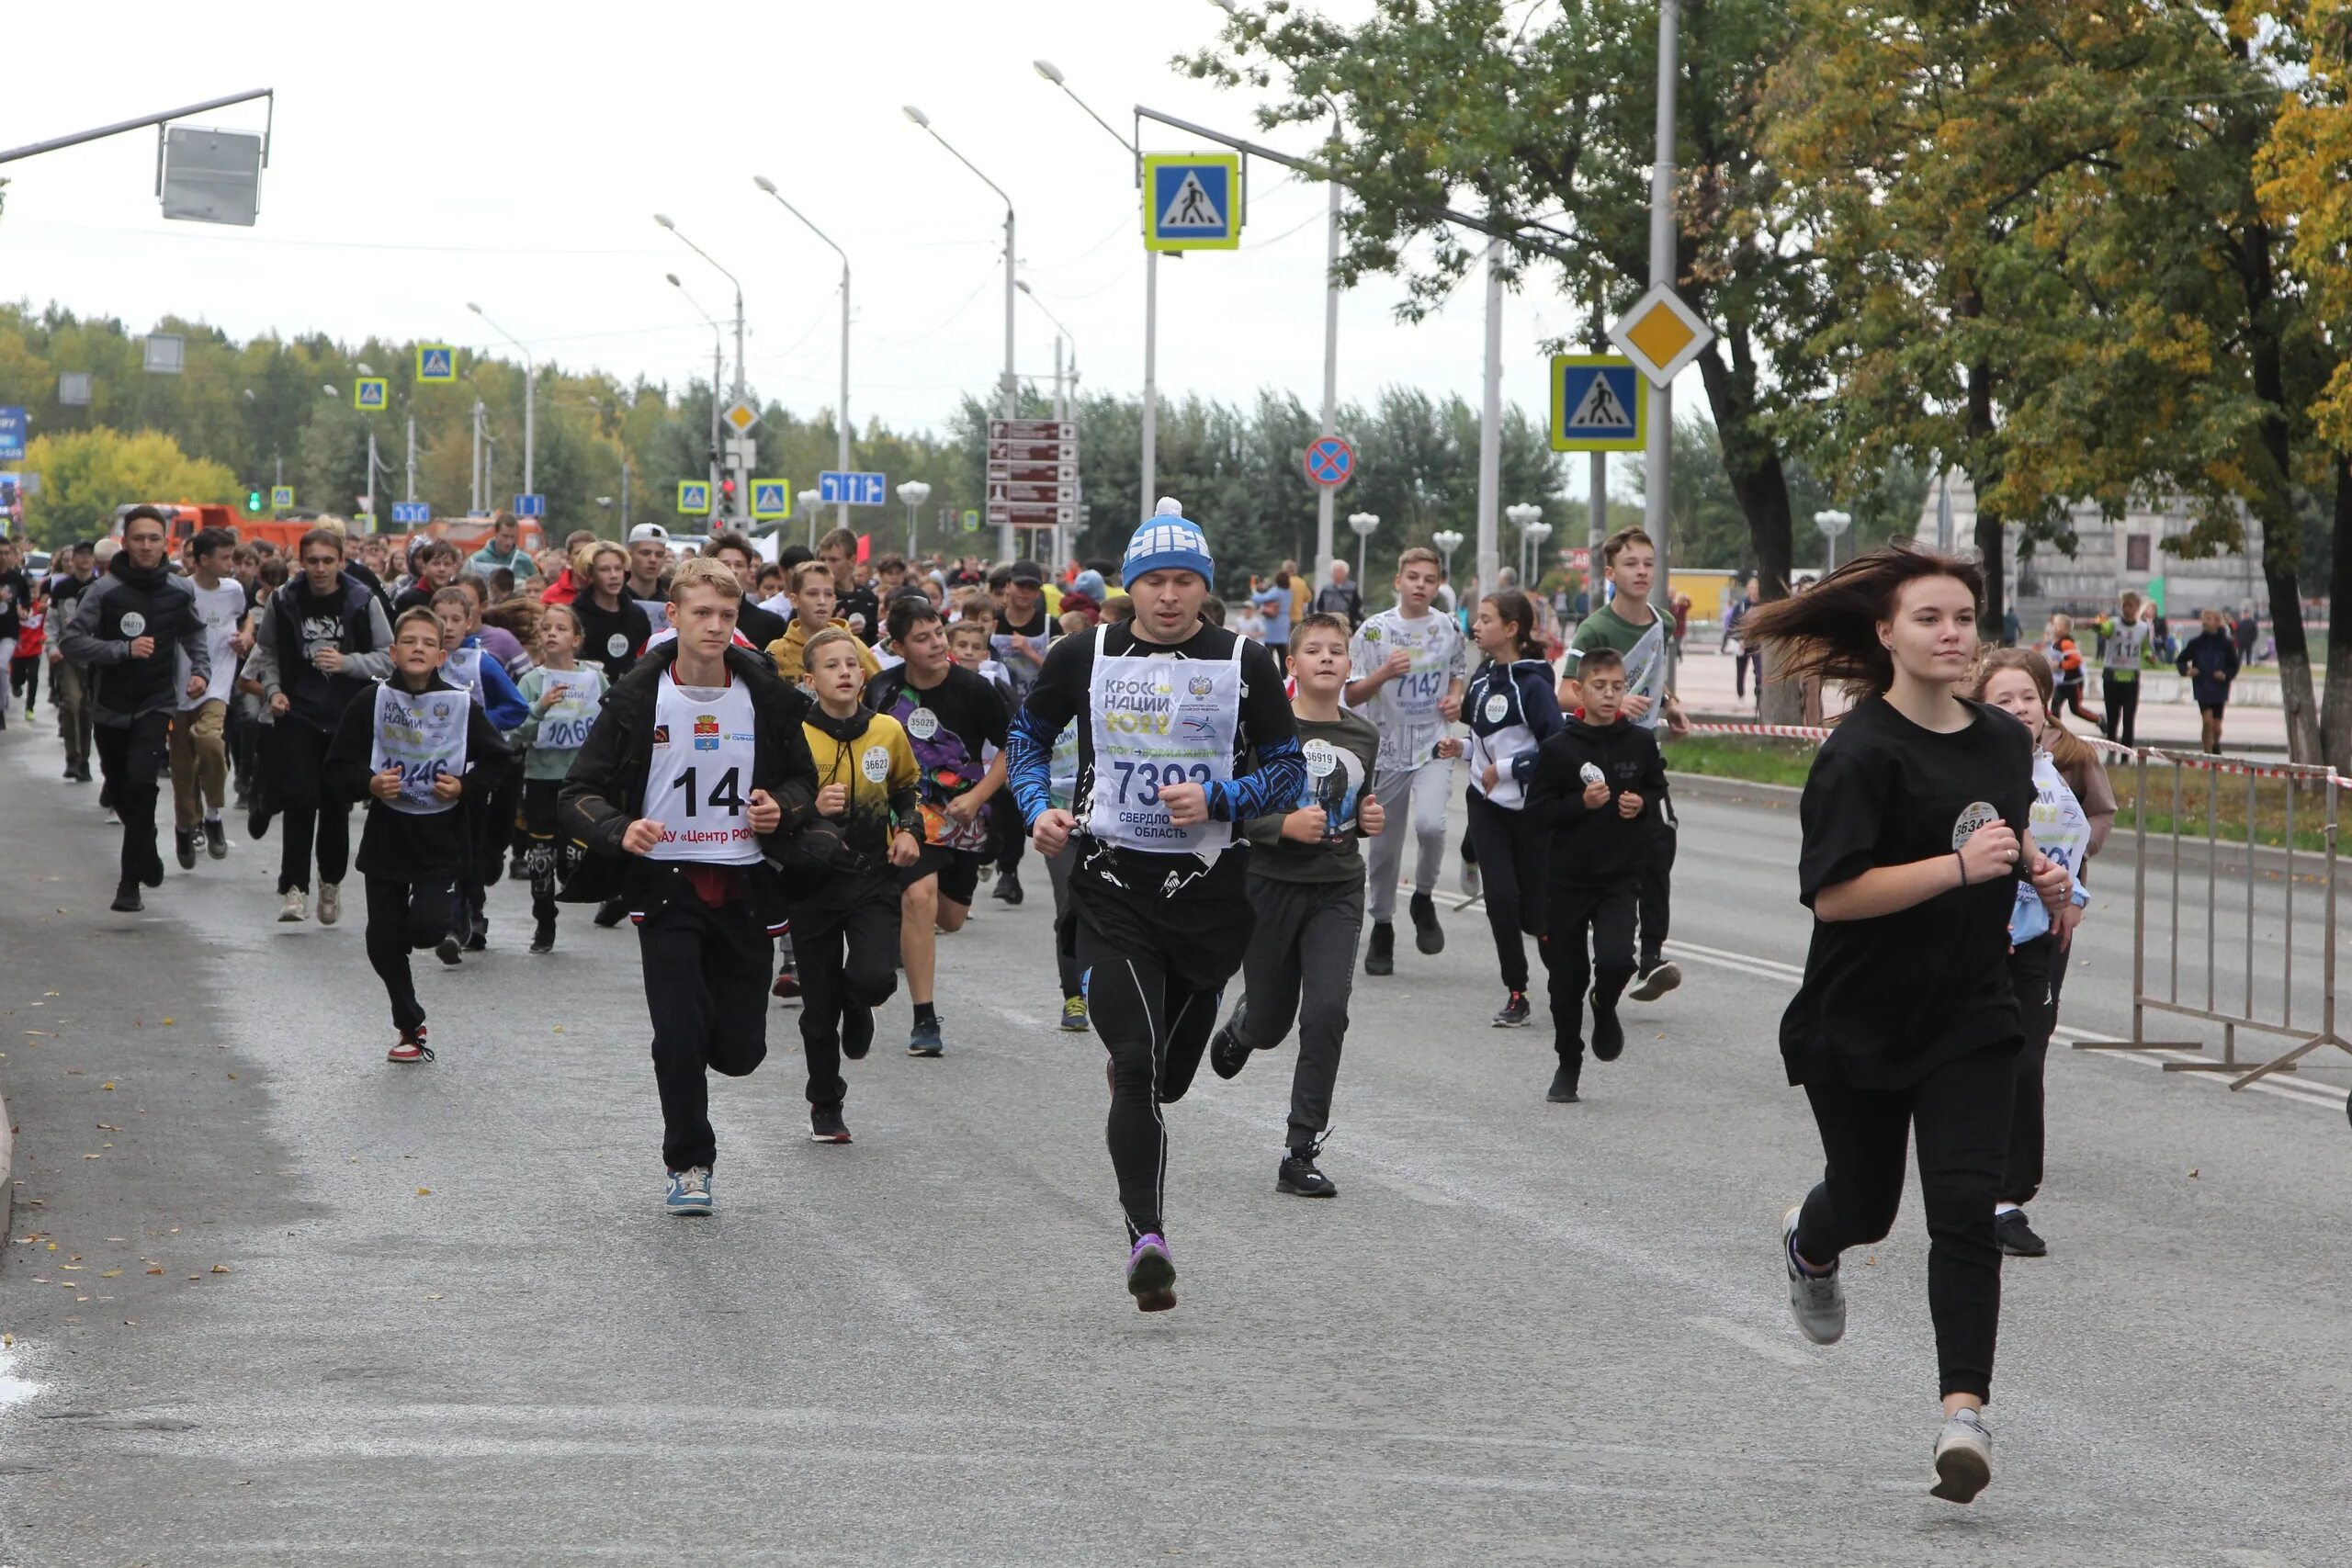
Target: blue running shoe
point(1151, 1275)
point(689, 1191)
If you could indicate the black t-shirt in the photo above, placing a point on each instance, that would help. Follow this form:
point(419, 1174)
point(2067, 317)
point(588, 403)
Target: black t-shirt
point(949, 728)
point(861, 610)
point(1887, 1000)
point(15, 598)
point(612, 638)
point(1268, 729)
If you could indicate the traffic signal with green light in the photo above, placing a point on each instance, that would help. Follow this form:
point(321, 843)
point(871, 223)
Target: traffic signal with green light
point(254, 500)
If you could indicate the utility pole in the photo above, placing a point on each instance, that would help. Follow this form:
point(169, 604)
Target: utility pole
point(412, 456)
point(1326, 496)
point(1658, 458)
point(1490, 430)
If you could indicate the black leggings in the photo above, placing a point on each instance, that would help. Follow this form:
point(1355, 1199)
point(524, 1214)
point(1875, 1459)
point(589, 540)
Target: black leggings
point(849, 966)
point(1958, 1114)
point(2123, 697)
point(1607, 911)
point(309, 807)
point(401, 918)
point(132, 757)
point(551, 857)
point(1155, 1031)
point(2035, 972)
point(1512, 852)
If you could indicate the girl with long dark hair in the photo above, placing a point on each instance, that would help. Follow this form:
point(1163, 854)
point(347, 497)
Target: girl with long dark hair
point(1915, 822)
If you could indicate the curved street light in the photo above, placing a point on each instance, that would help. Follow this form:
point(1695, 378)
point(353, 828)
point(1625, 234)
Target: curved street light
point(843, 456)
point(530, 396)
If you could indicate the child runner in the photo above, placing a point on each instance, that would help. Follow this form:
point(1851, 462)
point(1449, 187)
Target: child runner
point(695, 758)
point(843, 894)
point(2127, 648)
point(1916, 823)
point(200, 750)
point(32, 637)
point(951, 717)
point(1409, 666)
point(2017, 682)
point(469, 668)
point(2210, 659)
point(812, 612)
point(562, 696)
point(614, 627)
point(1511, 711)
point(1630, 625)
point(1170, 711)
point(412, 746)
point(1593, 788)
point(1307, 887)
point(1022, 632)
point(2067, 671)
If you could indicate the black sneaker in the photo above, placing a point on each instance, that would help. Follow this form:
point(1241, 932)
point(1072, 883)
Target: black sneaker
point(125, 897)
point(2016, 1237)
point(1564, 1086)
point(543, 937)
point(478, 938)
point(925, 1040)
point(1608, 1033)
point(1380, 958)
point(612, 912)
point(216, 839)
point(448, 951)
point(1007, 885)
point(1515, 1011)
point(1297, 1176)
point(1227, 1055)
point(72, 773)
point(857, 1032)
point(154, 876)
point(1659, 976)
point(183, 847)
point(826, 1127)
point(1428, 935)
point(257, 819)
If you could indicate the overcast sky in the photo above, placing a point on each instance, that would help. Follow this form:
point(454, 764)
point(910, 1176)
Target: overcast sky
point(430, 153)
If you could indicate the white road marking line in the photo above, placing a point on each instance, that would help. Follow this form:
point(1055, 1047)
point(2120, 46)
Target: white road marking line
point(1773, 969)
point(1771, 1347)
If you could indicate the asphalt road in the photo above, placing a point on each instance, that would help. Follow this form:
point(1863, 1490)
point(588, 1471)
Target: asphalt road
point(274, 1302)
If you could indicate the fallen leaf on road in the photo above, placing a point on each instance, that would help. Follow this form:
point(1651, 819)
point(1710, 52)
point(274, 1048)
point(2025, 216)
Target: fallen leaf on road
point(2192, 1176)
point(108, 1127)
point(424, 1192)
point(110, 1273)
point(108, 1084)
point(432, 1298)
point(166, 1021)
point(220, 1268)
point(154, 1270)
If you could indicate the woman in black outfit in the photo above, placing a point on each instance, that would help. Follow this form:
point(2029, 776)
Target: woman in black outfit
point(613, 627)
point(1906, 1026)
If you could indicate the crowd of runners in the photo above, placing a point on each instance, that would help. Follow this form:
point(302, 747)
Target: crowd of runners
point(795, 776)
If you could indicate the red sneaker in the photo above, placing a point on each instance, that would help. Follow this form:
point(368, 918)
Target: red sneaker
point(409, 1048)
point(786, 986)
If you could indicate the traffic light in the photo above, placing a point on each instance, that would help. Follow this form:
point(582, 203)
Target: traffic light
point(253, 499)
point(727, 489)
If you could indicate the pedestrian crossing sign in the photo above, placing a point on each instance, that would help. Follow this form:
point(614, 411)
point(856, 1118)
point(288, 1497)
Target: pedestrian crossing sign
point(771, 498)
point(693, 498)
point(280, 497)
point(370, 392)
point(1597, 404)
point(436, 363)
point(1192, 201)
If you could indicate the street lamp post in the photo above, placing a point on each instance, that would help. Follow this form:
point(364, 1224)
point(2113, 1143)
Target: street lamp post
point(1447, 541)
point(1363, 523)
point(914, 492)
point(1831, 524)
point(843, 459)
point(742, 478)
point(530, 397)
point(717, 359)
point(1521, 516)
point(1012, 383)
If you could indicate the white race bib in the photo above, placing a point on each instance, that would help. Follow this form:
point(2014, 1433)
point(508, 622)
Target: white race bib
point(1496, 707)
point(1159, 720)
point(698, 786)
point(617, 645)
point(424, 736)
point(922, 724)
point(134, 624)
point(875, 764)
point(462, 669)
point(565, 723)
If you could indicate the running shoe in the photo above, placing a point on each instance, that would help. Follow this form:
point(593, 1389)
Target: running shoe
point(257, 819)
point(1564, 1086)
point(126, 897)
point(154, 873)
point(1428, 935)
point(2016, 1237)
point(826, 1127)
point(447, 950)
point(858, 1031)
point(410, 1049)
point(1380, 958)
point(295, 908)
point(330, 902)
point(478, 935)
point(1297, 1176)
point(1818, 1300)
point(1660, 977)
point(1608, 1032)
point(543, 936)
point(183, 847)
point(689, 1191)
point(216, 839)
point(1074, 1020)
point(1963, 1457)
point(785, 986)
point(612, 912)
point(1007, 885)
point(1151, 1275)
point(925, 1040)
point(1515, 1011)
point(1227, 1055)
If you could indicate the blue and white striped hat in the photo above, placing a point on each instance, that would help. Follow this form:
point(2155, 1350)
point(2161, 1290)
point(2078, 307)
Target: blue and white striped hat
point(1168, 543)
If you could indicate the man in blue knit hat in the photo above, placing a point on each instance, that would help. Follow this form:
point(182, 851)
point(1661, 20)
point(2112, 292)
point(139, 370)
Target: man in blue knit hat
point(1169, 710)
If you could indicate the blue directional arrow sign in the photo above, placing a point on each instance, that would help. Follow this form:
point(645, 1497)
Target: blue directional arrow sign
point(835, 487)
point(1597, 404)
point(1192, 201)
point(411, 513)
point(530, 506)
point(435, 362)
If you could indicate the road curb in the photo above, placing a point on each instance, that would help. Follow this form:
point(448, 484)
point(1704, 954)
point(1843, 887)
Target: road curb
point(8, 1169)
point(1708, 786)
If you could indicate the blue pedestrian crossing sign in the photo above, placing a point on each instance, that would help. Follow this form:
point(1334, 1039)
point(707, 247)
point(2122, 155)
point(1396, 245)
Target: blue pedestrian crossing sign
point(1192, 201)
point(693, 498)
point(530, 506)
point(281, 497)
point(437, 362)
point(770, 498)
point(1597, 404)
point(408, 514)
point(371, 392)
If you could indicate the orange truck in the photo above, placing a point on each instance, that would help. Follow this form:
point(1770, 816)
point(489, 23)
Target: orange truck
point(468, 533)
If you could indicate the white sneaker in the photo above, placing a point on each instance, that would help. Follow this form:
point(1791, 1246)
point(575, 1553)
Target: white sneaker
point(1470, 879)
point(1963, 1457)
point(1817, 1301)
point(293, 908)
point(330, 902)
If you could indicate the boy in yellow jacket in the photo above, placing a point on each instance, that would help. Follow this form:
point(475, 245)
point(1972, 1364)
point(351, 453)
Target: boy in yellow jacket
point(812, 612)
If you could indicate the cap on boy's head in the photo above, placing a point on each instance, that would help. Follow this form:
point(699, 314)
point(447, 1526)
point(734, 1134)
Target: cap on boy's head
point(1025, 571)
point(1168, 543)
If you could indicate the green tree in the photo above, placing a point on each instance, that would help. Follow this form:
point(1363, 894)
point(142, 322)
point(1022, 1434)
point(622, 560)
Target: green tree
point(85, 474)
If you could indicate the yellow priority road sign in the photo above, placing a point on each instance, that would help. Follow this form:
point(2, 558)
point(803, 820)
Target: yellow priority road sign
point(1661, 335)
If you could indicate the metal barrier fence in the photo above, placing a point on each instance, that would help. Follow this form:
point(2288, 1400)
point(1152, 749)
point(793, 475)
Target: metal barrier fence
point(2305, 878)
